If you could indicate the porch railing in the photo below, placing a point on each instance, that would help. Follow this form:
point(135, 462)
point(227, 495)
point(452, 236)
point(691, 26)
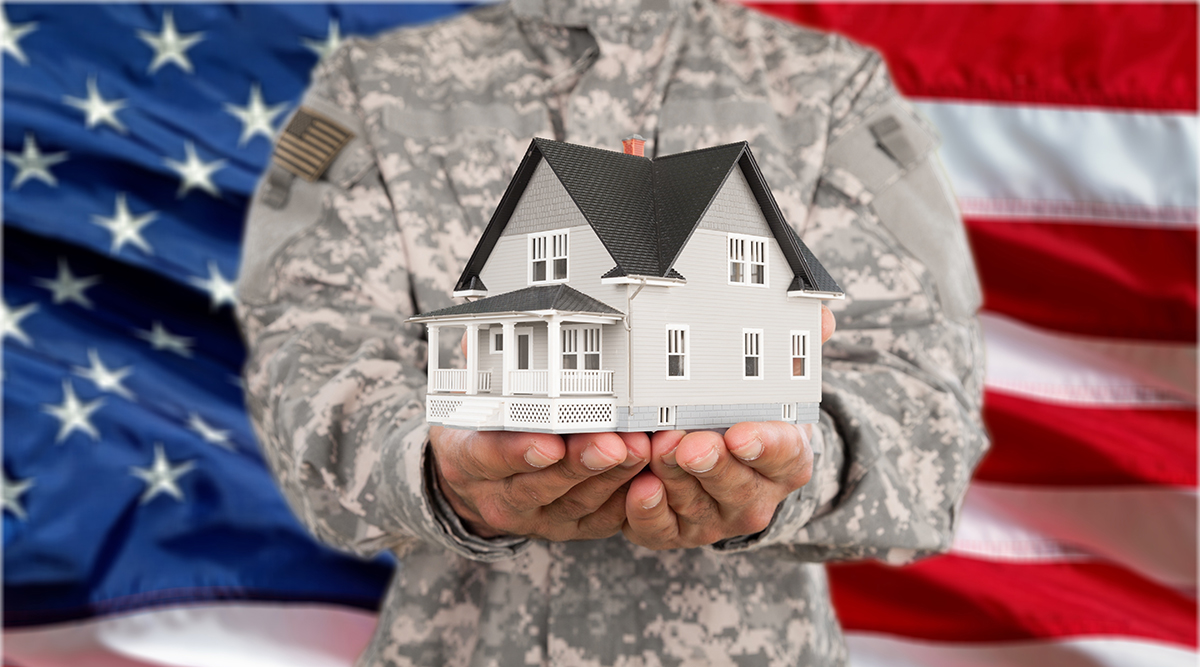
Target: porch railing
point(572, 382)
point(455, 380)
point(587, 382)
point(529, 382)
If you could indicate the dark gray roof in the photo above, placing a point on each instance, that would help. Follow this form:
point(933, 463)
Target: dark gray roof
point(644, 211)
point(542, 297)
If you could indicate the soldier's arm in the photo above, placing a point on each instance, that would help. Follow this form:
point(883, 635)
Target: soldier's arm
point(900, 430)
point(335, 376)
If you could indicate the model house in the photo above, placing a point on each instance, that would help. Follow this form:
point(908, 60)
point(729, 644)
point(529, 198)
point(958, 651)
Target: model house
point(614, 292)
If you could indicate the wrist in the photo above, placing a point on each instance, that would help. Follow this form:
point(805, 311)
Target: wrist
point(467, 514)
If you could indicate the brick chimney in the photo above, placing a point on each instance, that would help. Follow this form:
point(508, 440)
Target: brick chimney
point(634, 145)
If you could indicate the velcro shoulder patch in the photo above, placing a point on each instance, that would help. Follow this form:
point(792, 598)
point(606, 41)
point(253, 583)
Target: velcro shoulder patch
point(309, 144)
point(890, 136)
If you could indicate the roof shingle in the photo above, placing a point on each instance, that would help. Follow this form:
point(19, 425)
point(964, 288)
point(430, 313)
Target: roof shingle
point(645, 210)
point(542, 297)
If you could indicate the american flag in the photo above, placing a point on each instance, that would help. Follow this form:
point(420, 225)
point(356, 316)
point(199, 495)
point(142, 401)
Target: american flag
point(141, 526)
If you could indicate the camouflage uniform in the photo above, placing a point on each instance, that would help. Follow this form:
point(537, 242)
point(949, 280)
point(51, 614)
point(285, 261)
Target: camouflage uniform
point(442, 115)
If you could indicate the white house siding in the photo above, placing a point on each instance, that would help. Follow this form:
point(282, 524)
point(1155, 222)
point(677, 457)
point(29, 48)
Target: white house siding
point(716, 312)
point(734, 209)
point(507, 270)
point(544, 205)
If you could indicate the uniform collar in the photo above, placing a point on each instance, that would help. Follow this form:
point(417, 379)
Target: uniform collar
point(595, 12)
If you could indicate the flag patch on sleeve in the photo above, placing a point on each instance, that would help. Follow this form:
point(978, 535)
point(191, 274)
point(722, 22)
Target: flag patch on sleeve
point(309, 144)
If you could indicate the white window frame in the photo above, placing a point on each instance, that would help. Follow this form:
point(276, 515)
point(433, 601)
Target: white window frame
point(788, 413)
point(668, 342)
point(493, 334)
point(740, 249)
point(804, 352)
point(666, 415)
point(579, 332)
point(551, 243)
point(754, 345)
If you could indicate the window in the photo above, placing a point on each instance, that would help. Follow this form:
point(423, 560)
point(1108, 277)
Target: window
point(581, 348)
point(752, 353)
point(677, 352)
point(666, 416)
point(799, 354)
point(788, 413)
point(496, 340)
point(548, 257)
point(747, 260)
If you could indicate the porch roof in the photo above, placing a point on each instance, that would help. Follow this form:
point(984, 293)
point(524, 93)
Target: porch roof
point(558, 298)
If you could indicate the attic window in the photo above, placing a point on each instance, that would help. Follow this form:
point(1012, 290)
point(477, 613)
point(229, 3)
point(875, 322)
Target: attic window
point(548, 257)
point(747, 260)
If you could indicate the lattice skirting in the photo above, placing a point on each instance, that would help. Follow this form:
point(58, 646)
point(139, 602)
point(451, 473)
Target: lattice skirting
point(437, 410)
point(529, 412)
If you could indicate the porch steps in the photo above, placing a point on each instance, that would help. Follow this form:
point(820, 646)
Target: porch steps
point(478, 411)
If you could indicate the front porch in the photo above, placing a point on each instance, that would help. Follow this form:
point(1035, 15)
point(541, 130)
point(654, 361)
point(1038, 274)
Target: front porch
point(534, 361)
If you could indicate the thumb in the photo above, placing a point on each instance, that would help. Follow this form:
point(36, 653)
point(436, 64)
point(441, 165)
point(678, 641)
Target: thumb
point(828, 324)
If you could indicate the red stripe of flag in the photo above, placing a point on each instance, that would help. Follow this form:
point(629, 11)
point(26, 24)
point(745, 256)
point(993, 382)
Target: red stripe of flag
point(1034, 442)
point(1092, 279)
point(1134, 56)
point(952, 598)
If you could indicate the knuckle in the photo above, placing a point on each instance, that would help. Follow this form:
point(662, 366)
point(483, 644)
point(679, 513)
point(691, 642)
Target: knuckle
point(571, 508)
point(557, 532)
point(523, 496)
point(499, 516)
point(696, 510)
point(575, 473)
point(755, 520)
point(600, 530)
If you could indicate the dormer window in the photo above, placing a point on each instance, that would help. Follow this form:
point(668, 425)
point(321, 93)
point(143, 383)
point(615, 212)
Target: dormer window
point(747, 260)
point(548, 257)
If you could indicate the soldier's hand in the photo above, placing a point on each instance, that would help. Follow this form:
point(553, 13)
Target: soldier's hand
point(538, 485)
point(706, 487)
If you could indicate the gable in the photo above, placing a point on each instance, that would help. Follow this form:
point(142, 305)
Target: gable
point(734, 209)
point(544, 205)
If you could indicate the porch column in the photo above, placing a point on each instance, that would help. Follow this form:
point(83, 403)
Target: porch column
point(508, 354)
point(472, 358)
point(554, 365)
point(431, 354)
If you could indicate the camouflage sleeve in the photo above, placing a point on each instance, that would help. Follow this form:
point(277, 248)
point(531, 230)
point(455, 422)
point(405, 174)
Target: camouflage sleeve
point(335, 377)
point(900, 430)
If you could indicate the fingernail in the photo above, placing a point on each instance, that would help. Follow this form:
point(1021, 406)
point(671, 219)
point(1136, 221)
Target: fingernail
point(669, 459)
point(653, 501)
point(704, 463)
point(594, 459)
point(631, 461)
point(750, 451)
point(537, 459)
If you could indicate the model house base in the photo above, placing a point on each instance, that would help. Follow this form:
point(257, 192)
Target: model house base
point(592, 415)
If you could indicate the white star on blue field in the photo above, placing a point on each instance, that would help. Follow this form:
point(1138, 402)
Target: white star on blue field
point(134, 136)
